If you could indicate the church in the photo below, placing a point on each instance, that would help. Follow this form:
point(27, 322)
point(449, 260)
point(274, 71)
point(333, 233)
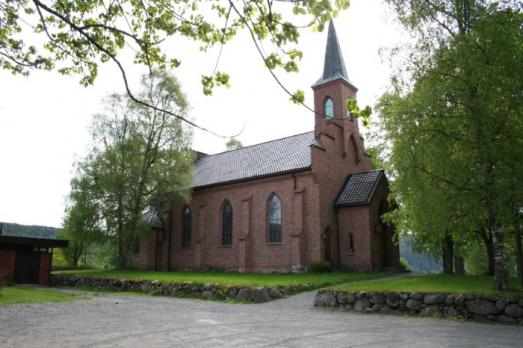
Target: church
point(283, 204)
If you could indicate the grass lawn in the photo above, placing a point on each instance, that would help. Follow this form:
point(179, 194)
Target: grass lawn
point(434, 283)
point(232, 278)
point(17, 294)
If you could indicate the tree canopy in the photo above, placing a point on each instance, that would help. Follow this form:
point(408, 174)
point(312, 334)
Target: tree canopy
point(75, 37)
point(456, 129)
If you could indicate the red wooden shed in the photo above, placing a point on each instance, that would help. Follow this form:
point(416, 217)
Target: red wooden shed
point(27, 259)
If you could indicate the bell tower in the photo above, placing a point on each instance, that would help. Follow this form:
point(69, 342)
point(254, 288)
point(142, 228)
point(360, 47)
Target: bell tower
point(333, 88)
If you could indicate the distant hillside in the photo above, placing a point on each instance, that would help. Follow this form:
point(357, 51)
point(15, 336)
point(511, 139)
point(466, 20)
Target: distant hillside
point(11, 229)
point(419, 262)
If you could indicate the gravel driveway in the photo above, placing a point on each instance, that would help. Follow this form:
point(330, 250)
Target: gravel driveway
point(139, 321)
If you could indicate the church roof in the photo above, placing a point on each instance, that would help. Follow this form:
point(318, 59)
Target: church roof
point(286, 155)
point(359, 188)
point(334, 66)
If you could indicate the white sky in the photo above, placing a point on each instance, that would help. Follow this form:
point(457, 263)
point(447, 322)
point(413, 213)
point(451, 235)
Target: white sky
point(45, 118)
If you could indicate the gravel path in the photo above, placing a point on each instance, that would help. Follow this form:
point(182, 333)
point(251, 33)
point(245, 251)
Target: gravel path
point(140, 321)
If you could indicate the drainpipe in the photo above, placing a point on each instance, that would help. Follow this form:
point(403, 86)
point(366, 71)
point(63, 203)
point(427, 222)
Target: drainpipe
point(169, 229)
point(338, 236)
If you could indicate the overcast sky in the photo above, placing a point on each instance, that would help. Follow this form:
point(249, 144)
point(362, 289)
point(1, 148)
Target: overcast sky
point(45, 118)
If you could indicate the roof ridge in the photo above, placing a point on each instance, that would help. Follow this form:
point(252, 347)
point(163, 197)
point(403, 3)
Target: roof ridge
point(248, 146)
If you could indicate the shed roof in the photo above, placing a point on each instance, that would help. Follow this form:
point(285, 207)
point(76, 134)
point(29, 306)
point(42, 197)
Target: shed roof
point(280, 156)
point(40, 242)
point(359, 188)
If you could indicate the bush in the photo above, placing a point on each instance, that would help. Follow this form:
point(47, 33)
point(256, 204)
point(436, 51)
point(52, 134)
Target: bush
point(404, 265)
point(320, 267)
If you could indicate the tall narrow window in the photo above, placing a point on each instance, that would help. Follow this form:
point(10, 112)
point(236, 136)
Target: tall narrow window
point(274, 219)
point(329, 108)
point(186, 236)
point(227, 223)
point(350, 243)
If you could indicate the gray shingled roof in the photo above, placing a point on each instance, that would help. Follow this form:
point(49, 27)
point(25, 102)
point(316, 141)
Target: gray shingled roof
point(274, 157)
point(359, 188)
point(334, 66)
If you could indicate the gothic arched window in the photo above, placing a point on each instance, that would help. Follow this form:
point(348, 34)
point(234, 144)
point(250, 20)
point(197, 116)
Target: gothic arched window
point(226, 223)
point(274, 219)
point(186, 235)
point(329, 108)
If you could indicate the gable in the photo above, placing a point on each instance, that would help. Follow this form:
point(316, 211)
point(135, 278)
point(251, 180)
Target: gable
point(275, 157)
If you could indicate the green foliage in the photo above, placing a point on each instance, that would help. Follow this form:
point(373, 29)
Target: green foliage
point(233, 144)
point(233, 278)
point(75, 37)
point(455, 163)
point(404, 264)
point(140, 157)
point(354, 111)
point(320, 267)
point(434, 283)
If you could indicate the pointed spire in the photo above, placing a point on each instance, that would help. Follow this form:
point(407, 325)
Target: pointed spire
point(334, 67)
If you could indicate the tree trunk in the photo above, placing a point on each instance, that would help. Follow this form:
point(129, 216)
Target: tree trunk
point(459, 264)
point(448, 254)
point(500, 270)
point(487, 240)
point(519, 252)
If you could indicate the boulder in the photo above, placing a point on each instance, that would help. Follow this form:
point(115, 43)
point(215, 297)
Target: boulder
point(342, 298)
point(260, 294)
point(514, 311)
point(206, 294)
point(481, 307)
point(361, 305)
point(416, 296)
point(413, 305)
point(275, 293)
point(351, 298)
point(459, 300)
point(506, 319)
point(450, 312)
point(501, 304)
point(392, 300)
point(243, 294)
point(231, 292)
point(376, 297)
point(145, 287)
point(325, 299)
point(431, 299)
point(430, 311)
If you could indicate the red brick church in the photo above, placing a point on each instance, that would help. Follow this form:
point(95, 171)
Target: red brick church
point(280, 205)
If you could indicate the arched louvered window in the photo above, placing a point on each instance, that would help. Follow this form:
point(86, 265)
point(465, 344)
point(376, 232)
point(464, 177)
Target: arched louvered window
point(329, 108)
point(186, 235)
point(274, 219)
point(226, 223)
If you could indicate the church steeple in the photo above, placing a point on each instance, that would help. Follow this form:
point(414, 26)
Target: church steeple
point(334, 88)
point(334, 66)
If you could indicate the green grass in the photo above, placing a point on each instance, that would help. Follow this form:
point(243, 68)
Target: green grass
point(434, 283)
point(231, 278)
point(17, 294)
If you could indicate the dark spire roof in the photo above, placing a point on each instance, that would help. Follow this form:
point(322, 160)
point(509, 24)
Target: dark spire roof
point(334, 67)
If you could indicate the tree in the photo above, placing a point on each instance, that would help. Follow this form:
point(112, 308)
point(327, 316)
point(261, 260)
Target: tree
point(75, 37)
point(456, 130)
point(140, 158)
point(233, 144)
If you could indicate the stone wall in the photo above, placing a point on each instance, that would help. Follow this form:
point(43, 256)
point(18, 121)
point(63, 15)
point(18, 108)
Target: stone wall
point(465, 306)
point(182, 289)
